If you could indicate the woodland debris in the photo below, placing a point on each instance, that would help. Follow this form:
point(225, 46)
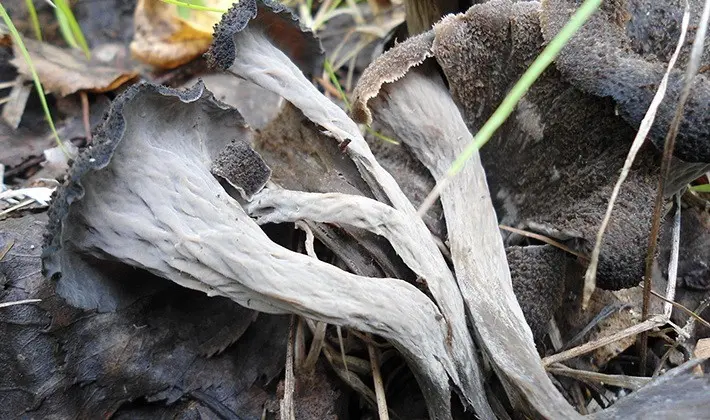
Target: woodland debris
point(165, 40)
point(65, 71)
point(177, 185)
point(161, 348)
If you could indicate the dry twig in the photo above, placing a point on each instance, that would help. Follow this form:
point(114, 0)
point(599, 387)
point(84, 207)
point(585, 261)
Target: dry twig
point(691, 70)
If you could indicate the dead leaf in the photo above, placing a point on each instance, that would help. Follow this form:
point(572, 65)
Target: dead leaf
point(702, 351)
point(165, 40)
point(30, 139)
point(65, 71)
point(172, 343)
point(15, 107)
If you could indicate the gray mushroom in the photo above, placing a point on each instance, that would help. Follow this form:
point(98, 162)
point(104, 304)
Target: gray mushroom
point(551, 166)
point(256, 57)
point(556, 155)
point(144, 195)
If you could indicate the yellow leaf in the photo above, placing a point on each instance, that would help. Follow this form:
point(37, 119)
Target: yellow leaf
point(165, 40)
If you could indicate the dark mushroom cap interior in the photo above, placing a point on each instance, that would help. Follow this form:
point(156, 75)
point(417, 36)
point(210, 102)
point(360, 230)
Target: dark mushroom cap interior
point(280, 25)
point(601, 60)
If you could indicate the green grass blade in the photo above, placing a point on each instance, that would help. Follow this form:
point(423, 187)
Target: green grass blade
point(381, 136)
point(705, 188)
point(72, 26)
point(334, 79)
point(533, 72)
point(328, 67)
point(184, 11)
point(65, 29)
point(34, 19)
point(17, 39)
point(195, 6)
point(583, 13)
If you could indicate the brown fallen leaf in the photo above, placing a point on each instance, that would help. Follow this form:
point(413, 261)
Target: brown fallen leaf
point(165, 40)
point(65, 71)
point(15, 105)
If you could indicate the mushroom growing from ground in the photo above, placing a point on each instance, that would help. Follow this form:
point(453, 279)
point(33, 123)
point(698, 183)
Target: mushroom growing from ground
point(172, 185)
point(147, 194)
point(551, 166)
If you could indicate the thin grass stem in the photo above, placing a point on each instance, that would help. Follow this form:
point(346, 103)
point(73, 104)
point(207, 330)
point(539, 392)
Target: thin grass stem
point(34, 19)
point(501, 114)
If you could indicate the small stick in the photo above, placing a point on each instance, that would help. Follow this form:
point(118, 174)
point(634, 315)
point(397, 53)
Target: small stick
point(5, 249)
point(353, 381)
point(645, 127)
point(546, 240)
point(623, 381)
point(24, 166)
point(299, 346)
point(287, 407)
point(320, 327)
point(19, 302)
point(85, 110)
point(316, 346)
point(17, 206)
point(682, 308)
point(690, 72)
point(606, 312)
point(328, 86)
point(643, 327)
point(342, 347)
point(377, 380)
point(585, 348)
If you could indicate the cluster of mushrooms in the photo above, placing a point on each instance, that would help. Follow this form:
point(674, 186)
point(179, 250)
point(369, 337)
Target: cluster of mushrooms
point(178, 184)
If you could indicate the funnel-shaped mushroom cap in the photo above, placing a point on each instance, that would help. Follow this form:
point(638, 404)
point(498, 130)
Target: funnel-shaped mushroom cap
point(256, 57)
point(152, 141)
point(557, 136)
point(278, 24)
point(147, 195)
